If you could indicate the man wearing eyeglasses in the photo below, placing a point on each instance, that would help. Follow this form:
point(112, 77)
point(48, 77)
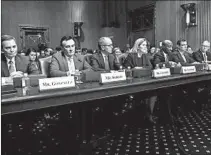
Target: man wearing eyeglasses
point(104, 60)
point(203, 54)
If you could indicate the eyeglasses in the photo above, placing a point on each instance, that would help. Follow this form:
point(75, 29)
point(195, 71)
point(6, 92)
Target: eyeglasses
point(206, 46)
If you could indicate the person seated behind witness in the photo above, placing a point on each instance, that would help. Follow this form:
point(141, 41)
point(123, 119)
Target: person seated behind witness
point(84, 51)
point(67, 61)
point(88, 55)
point(117, 52)
point(12, 64)
point(180, 55)
point(33, 66)
point(151, 53)
point(164, 56)
point(58, 49)
point(189, 51)
point(138, 58)
point(48, 52)
point(104, 60)
point(203, 53)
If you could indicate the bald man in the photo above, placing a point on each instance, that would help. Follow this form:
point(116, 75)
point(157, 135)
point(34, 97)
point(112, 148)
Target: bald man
point(104, 60)
point(164, 56)
point(203, 53)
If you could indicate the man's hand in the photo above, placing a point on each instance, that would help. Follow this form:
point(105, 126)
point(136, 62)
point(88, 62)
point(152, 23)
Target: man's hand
point(172, 63)
point(16, 74)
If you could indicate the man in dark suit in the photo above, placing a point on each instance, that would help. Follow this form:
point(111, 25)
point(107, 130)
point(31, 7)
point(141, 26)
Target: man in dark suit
point(203, 54)
point(180, 55)
point(12, 64)
point(104, 60)
point(67, 62)
point(164, 56)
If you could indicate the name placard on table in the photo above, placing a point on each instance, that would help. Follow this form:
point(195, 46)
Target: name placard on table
point(112, 77)
point(157, 73)
point(56, 83)
point(187, 69)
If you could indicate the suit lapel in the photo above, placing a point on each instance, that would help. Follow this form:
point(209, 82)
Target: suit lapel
point(4, 66)
point(180, 57)
point(65, 64)
point(101, 60)
point(77, 62)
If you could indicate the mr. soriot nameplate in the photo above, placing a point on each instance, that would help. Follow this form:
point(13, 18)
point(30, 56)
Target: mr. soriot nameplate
point(56, 83)
point(188, 69)
point(156, 73)
point(112, 77)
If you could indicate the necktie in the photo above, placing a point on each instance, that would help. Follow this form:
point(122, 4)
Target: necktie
point(205, 57)
point(183, 57)
point(71, 66)
point(166, 58)
point(106, 63)
point(11, 67)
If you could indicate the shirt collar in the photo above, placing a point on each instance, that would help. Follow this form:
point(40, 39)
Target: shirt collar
point(68, 58)
point(8, 60)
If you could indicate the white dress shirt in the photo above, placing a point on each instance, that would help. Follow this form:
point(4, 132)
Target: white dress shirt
point(8, 63)
point(71, 64)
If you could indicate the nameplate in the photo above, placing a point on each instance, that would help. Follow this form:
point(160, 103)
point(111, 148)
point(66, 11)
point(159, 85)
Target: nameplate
point(112, 77)
point(188, 69)
point(6, 81)
point(56, 83)
point(157, 73)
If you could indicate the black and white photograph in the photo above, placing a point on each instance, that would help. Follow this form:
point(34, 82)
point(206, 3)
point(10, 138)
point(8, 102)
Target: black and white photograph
point(105, 77)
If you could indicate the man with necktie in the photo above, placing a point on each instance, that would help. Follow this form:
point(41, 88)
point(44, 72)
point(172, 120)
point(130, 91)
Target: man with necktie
point(164, 56)
point(12, 64)
point(180, 56)
point(104, 60)
point(203, 53)
point(66, 62)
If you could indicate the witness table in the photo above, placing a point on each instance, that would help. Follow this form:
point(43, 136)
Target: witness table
point(93, 91)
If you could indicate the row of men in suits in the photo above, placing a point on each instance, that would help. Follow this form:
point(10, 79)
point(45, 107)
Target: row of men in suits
point(166, 55)
point(67, 62)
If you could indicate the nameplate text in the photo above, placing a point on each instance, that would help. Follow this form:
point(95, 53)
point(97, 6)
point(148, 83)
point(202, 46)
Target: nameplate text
point(56, 83)
point(188, 69)
point(157, 73)
point(112, 77)
point(209, 67)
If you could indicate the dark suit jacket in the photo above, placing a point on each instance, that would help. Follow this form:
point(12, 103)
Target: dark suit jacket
point(98, 64)
point(159, 58)
point(59, 65)
point(198, 56)
point(21, 64)
point(132, 60)
point(176, 57)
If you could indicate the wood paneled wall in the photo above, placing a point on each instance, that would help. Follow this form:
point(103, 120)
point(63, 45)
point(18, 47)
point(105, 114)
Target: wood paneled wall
point(55, 14)
point(170, 22)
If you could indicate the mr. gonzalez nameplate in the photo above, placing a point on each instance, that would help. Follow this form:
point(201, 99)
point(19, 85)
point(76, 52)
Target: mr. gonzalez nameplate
point(112, 77)
point(188, 69)
point(56, 83)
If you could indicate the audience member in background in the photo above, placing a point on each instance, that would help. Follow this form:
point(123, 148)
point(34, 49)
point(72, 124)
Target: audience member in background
point(164, 56)
point(58, 49)
point(189, 51)
point(127, 48)
point(138, 58)
point(12, 64)
point(104, 60)
point(203, 53)
point(48, 51)
point(151, 53)
point(33, 66)
point(67, 62)
point(117, 52)
point(84, 51)
point(88, 55)
point(180, 55)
